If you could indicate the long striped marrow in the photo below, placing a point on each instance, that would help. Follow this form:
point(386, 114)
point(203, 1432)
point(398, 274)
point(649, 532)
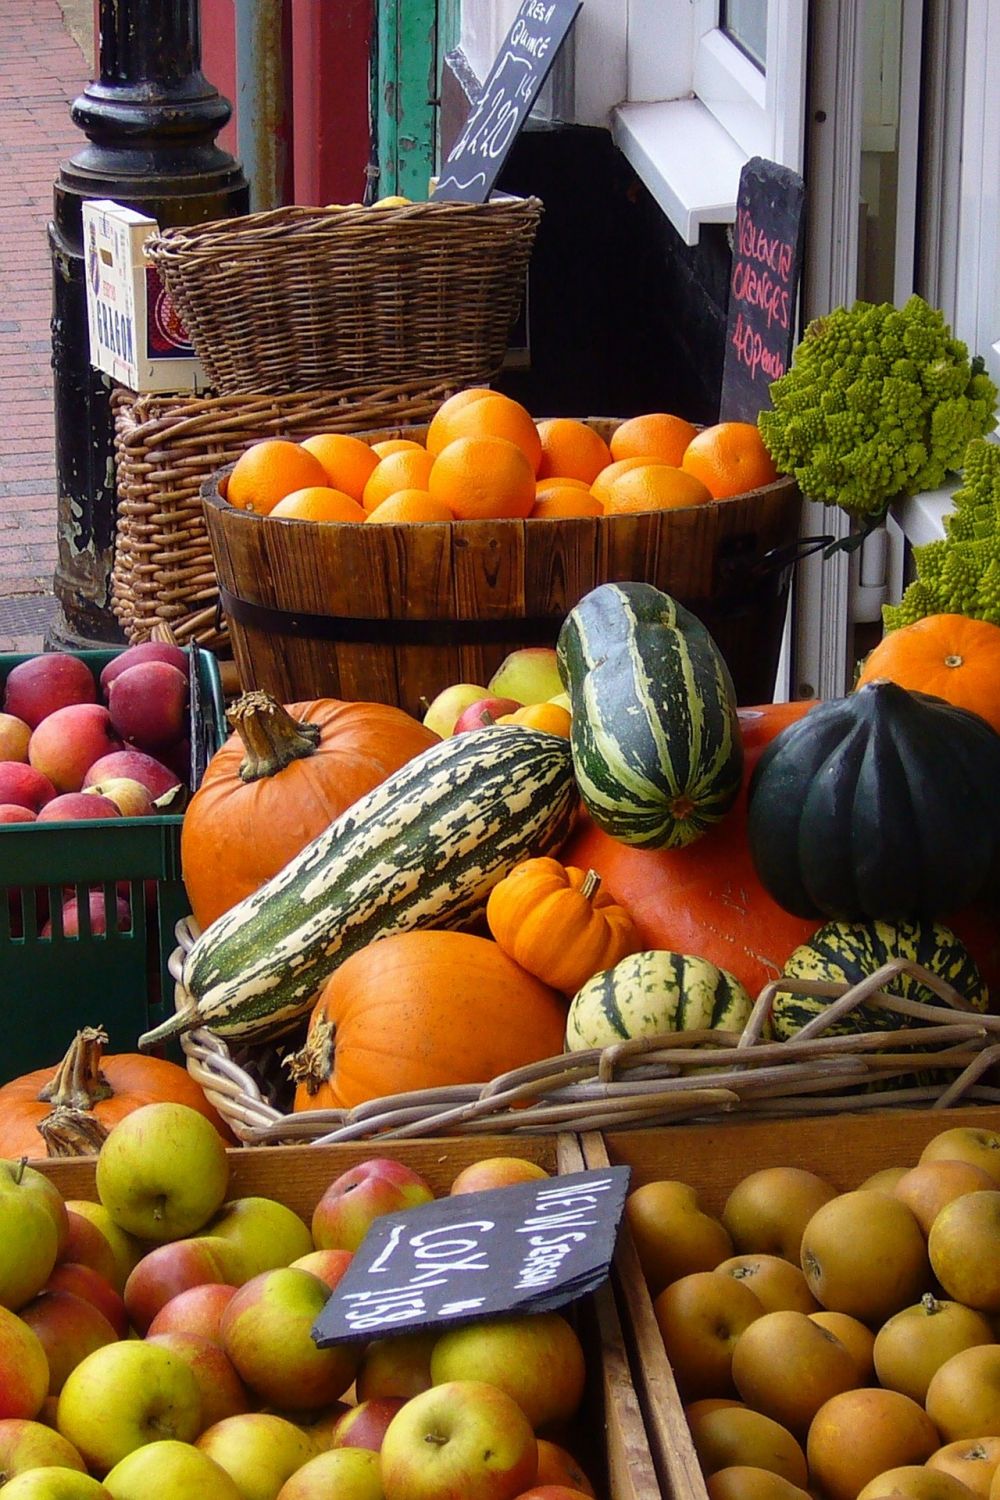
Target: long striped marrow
point(423, 849)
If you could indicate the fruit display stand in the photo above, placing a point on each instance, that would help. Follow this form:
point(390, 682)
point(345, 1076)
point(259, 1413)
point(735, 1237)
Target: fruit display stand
point(611, 1432)
point(52, 984)
point(846, 1150)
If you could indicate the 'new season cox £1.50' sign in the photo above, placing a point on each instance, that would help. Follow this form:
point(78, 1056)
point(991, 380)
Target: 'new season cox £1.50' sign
point(527, 1248)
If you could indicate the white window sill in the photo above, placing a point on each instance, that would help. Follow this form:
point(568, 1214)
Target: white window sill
point(689, 163)
point(921, 518)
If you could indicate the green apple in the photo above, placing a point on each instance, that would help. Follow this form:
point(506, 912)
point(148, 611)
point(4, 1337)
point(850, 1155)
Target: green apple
point(26, 1445)
point(258, 1451)
point(531, 675)
point(124, 1396)
point(266, 1233)
point(347, 1473)
point(54, 1483)
point(444, 710)
point(464, 1440)
point(46, 1191)
point(24, 1369)
point(536, 1358)
point(162, 1172)
point(169, 1470)
point(267, 1333)
point(29, 1239)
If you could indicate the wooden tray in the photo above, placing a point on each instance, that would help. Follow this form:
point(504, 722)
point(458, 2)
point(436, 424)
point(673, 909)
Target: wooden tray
point(613, 1439)
point(712, 1159)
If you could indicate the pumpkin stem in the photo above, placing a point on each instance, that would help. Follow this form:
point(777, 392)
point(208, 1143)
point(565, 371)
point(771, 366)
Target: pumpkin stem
point(271, 737)
point(78, 1082)
point(591, 885)
point(72, 1132)
point(313, 1063)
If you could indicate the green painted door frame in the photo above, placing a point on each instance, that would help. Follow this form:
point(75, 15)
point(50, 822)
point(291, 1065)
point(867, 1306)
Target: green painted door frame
point(411, 38)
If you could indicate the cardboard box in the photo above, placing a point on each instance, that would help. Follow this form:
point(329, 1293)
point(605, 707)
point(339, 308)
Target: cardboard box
point(136, 336)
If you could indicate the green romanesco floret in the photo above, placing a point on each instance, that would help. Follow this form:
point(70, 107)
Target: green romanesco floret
point(879, 402)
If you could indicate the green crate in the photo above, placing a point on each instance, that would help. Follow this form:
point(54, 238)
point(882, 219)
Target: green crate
point(51, 986)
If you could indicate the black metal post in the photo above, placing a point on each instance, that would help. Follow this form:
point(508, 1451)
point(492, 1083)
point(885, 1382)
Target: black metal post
point(151, 119)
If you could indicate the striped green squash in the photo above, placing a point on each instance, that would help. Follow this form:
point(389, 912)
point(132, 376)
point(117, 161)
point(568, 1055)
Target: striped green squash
point(847, 952)
point(423, 849)
point(653, 992)
point(656, 741)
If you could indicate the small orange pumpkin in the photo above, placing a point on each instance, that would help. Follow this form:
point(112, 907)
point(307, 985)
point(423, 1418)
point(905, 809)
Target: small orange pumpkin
point(556, 922)
point(420, 1010)
point(552, 718)
point(949, 656)
point(69, 1112)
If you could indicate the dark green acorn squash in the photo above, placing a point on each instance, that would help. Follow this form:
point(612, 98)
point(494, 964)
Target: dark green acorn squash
point(883, 804)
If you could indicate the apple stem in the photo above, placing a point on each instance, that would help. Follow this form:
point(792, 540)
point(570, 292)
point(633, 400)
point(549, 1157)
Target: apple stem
point(159, 1206)
point(437, 1438)
point(271, 738)
point(19, 1174)
point(313, 1063)
point(78, 1082)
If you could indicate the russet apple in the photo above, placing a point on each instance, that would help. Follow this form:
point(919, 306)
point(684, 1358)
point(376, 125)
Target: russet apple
point(328, 1265)
point(69, 1329)
point(776, 1283)
point(364, 1425)
point(463, 1440)
point(131, 797)
point(148, 705)
point(787, 1367)
point(444, 709)
point(258, 1450)
point(178, 1266)
point(701, 1317)
point(133, 765)
point(77, 805)
point(26, 1445)
point(29, 1239)
point(55, 1483)
point(125, 1248)
point(198, 1310)
point(496, 1172)
point(964, 1248)
point(163, 1172)
point(24, 1370)
point(65, 744)
point(931, 1185)
point(40, 686)
point(530, 675)
point(168, 1469)
point(359, 1196)
point(124, 1396)
point(14, 737)
point(673, 1235)
point(914, 1482)
point(396, 1365)
point(84, 1282)
point(223, 1393)
point(142, 651)
point(536, 1358)
point(768, 1209)
point(483, 712)
point(23, 786)
point(915, 1342)
point(966, 1143)
point(266, 1233)
point(347, 1473)
point(726, 1433)
point(864, 1253)
point(963, 1395)
point(861, 1433)
point(267, 1333)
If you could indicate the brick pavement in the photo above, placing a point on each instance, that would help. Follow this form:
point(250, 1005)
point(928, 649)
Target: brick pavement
point(42, 69)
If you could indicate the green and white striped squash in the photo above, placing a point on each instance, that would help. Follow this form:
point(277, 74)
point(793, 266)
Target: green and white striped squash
point(423, 849)
point(656, 741)
point(847, 952)
point(653, 992)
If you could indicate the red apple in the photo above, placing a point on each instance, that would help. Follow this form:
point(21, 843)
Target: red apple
point(148, 704)
point(24, 1370)
point(125, 1248)
point(46, 683)
point(536, 1358)
point(198, 1310)
point(24, 786)
point(322, 1425)
point(87, 1246)
point(10, 812)
point(69, 1329)
point(14, 737)
point(267, 1333)
point(464, 1440)
point(364, 1425)
point(28, 1445)
point(397, 1365)
point(84, 1282)
point(97, 913)
point(176, 1267)
point(78, 805)
point(328, 1265)
point(135, 765)
point(223, 1393)
point(552, 1492)
point(483, 712)
point(362, 1194)
point(66, 743)
point(142, 651)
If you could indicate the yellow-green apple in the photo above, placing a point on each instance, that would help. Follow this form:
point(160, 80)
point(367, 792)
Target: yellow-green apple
point(18, 1175)
point(69, 1329)
point(148, 705)
point(464, 1440)
point(266, 1233)
point(125, 1248)
point(531, 675)
point(14, 737)
point(258, 1450)
point(176, 1267)
point(28, 1445)
point(347, 1473)
point(168, 1469)
point(24, 786)
point(163, 1172)
point(444, 709)
point(397, 1365)
point(124, 1396)
point(364, 1425)
point(55, 1483)
point(24, 1370)
point(197, 1310)
point(83, 1281)
point(223, 1393)
point(131, 798)
point(267, 1333)
point(483, 712)
point(29, 1240)
point(496, 1172)
point(536, 1358)
point(133, 765)
point(39, 686)
point(359, 1196)
point(328, 1265)
point(66, 743)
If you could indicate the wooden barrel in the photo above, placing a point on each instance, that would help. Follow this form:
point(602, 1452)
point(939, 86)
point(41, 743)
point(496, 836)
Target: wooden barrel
point(395, 613)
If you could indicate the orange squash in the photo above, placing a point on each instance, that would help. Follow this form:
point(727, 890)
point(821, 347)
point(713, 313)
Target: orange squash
point(278, 782)
point(549, 717)
point(556, 922)
point(420, 1010)
point(68, 1112)
point(949, 656)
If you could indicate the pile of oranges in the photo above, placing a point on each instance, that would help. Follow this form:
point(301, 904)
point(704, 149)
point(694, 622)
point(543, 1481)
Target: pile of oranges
point(485, 457)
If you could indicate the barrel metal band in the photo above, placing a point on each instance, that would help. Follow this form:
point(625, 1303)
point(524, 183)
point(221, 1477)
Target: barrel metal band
point(363, 630)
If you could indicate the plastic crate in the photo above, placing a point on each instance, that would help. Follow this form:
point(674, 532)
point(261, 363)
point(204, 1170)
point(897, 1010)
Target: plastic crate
point(51, 986)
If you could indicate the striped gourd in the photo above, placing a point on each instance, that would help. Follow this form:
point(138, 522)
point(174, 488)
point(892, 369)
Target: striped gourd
point(423, 849)
point(656, 741)
point(653, 992)
point(847, 952)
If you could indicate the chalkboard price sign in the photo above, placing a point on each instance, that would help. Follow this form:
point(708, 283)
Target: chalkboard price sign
point(521, 67)
point(527, 1248)
point(767, 260)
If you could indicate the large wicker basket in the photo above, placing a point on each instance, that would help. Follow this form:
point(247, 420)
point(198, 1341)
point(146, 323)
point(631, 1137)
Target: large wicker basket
point(306, 298)
point(166, 446)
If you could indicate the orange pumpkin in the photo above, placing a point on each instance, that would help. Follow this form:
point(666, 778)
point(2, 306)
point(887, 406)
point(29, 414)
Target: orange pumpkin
point(420, 1010)
point(556, 922)
point(278, 782)
point(69, 1112)
point(948, 656)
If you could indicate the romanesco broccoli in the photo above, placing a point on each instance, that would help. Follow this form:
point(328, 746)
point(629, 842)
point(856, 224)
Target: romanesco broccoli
point(879, 403)
point(960, 574)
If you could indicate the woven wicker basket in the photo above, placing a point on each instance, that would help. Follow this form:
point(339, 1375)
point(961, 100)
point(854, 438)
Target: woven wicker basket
point(651, 1081)
point(167, 445)
point(307, 298)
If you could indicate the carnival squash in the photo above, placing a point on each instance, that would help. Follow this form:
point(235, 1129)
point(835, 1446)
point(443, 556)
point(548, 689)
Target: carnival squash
point(419, 1010)
point(948, 656)
point(68, 1111)
point(651, 993)
point(282, 777)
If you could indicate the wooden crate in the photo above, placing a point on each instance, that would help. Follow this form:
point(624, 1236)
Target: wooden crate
point(613, 1439)
point(845, 1149)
